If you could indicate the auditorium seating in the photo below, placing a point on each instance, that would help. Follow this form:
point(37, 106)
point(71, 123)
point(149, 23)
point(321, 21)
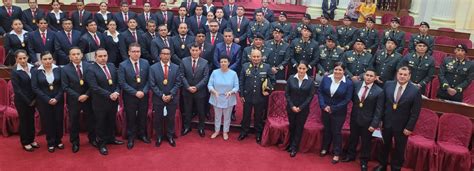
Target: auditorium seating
point(10, 119)
point(407, 21)
point(276, 127)
point(386, 18)
point(445, 40)
point(438, 57)
point(446, 29)
point(2, 55)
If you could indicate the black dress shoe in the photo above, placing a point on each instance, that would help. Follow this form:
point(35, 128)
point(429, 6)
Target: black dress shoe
point(364, 167)
point(293, 153)
point(242, 136)
point(380, 168)
point(35, 145)
point(51, 149)
point(75, 148)
point(130, 144)
point(172, 142)
point(288, 148)
point(334, 161)
point(158, 142)
point(60, 146)
point(93, 143)
point(258, 139)
point(202, 133)
point(28, 148)
point(103, 150)
point(323, 153)
point(185, 131)
point(347, 159)
point(145, 140)
point(116, 142)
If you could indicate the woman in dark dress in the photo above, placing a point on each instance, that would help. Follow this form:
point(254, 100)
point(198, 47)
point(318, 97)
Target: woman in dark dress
point(55, 16)
point(46, 83)
point(24, 99)
point(299, 92)
point(15, 40)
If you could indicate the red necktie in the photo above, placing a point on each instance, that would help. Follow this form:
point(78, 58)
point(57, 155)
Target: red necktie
point(147, 17)
point(194, 65)
point(80, 16)
point(182, 19)
point(107, 73)
point(364, 93)
point(97, 42)
point(166, 71)
point(166, 17)
point(69, 37)
point(212, 39)
point(43, 36)
point(33, 11)
point(189, 5)
point(10, 11)
point(238, 23)
point(137, 71)
point(79, 72)
point(134, 36)
point(125, 17)
point(199, 22)
point(228, 51)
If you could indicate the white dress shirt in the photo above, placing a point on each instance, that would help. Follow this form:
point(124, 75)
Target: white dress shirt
point(396, 90)
point(50, 75)
point(18, 67)
point(361, 91)
point(300, 81)
point(334, 84)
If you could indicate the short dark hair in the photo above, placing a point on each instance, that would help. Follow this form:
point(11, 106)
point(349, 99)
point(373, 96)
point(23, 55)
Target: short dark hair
point(89, 22)
point(372, 70)
point(228, 30)
point(100, 49)
point(339, 64)
point(123, 3)
point(165, 48)
point(64, 20)
point(224, 57)
point(195, 45)
point(404, 68)
point(183, 7)
point(74, 47)
point(151, 22)
point(43, 19)
point(103, 2)
point(45, 53)
point(134, 44)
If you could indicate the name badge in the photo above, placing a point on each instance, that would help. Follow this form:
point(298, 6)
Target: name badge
point(110, 82)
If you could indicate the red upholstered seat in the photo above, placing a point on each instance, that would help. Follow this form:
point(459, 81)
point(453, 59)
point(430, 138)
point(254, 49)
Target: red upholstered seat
point(407, 21)
point(454, 135)
point(421, 148)
point(276, 128)
point(468, 94)
point(386, 18)
point(434, 87)
point(445, 40)
point(9, 114)
point(438, 57)
point(312, 133)
point(2, 55)
point(446, 29)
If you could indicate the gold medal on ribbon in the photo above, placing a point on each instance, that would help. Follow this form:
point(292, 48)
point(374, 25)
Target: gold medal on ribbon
point(238, 30)
point(51, 87)
point(139, 80)
point(182, 46)
point(58, 21)
point(34, 21)
point(81, 82)
point(394, 106)
point(165, 82)
point(110, 82)
point(80, 24)
point(361, 104)
point(23, 44)
point(166, 25)
point(105, 22)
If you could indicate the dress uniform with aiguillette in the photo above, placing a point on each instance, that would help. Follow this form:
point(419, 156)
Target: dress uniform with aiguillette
point(396, 34)
point(346, 35)
point(357, 62)
point(422, 68)
point(301, 50)
point(327, 57)
point(278, 55)
point(386, 64)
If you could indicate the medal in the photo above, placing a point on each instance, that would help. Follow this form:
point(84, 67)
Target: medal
point(165, 82)
point(80, 24)
point(58, 21)
point(81, 82)
point(361, 104)
point(394, 106)
point(51, 87)
point(238, 29)
point(110, 82)
point(182, 46)
point(105, 22)
point(23, 44)
point(139, 80)
point(166, 25)
point(34, 21)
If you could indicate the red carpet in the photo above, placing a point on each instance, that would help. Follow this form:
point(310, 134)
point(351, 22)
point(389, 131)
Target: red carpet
point(192, 153)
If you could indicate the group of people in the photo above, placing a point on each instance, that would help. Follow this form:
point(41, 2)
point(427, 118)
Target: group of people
point(102, 58)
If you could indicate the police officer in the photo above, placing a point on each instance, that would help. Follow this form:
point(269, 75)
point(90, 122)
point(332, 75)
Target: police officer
point(283, 24)
point(256, 83)
point(260, 25)
point(327, 55)
point(424, 28)
point(305, 21)
point(346, 34)
point(386, 62)
point(421, 65)
point(455, 74)
point(395, 34)
point(357, 61)
point(258, 43)
point(278, 54)
point(323, 30)
point(369, 35)
point(303, 48)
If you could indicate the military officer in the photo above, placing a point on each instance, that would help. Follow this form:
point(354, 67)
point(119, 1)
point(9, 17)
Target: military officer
point(421, 65)
point(369, 35)
point(260, 25)
point(357, 61)
point(284, 25)
point(455, 74)
point(424, 28)
point(305, 21)
point(277, 53)
point(327, 55)
point(258, 43)
point(303, 48)
point(395, 33)
point(346, 34)
point(323, 30)
point(386, 62)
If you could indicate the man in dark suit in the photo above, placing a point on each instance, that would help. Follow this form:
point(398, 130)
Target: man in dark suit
point(401, 110)
point(197, 21)
point(207, 50)
point(367, 108)
point(230, 49)
point(80, 17)
point(8, 13)
point(240, 25)
point(145, 41)
point(190, 6)
point(181, 41)
point(230, 10)
point(328, 8)
point(131, 35)
point(91, 40)
point(122, 17)
point(223, 23)
point(65, 40)
point(180, 18)
point(253, 76)
point(146, 16)
point(165, 81)
point(40, 41)
point(267, 12)
point(102, 79)
point(31, 15)
point(162, 41)
point(77, 94)
point(133, 80)
point(165, 17)
point(195, 72)
point(213, 37)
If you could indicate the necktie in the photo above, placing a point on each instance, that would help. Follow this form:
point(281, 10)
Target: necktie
point(202, 50)
point(166, 42)
point(79, 72)
point(10, 11)
point(399, 94)
point(80, 16)
point(183, 40)
point(33, 13)
point(194, 65)
point(166, 71)
point(213, 39)
point(189, 5)
point(265, 11)
point(219, 20)
point(182, 19)
point(238, 23)
point(134, 35)
point(152, 35)
point(166, 17)
point(107, 73)
point(199, 21)
point(137, 71)
point(97, 42)
point(147, 17)
point(228, 50)
point(69, 37)
point(125, 16)
point(43, 36)
point(364, 93)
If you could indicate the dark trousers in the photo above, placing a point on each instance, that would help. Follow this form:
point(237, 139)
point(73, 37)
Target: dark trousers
point(193, 103)
point(26, 115)
point(75, 107)
point(332, 131)
point(136, 112)
point(105, 122)
point(297, 121)
point(52, 118)
point(169, 119)
point(258, 113)
point(398, 157)
point(365, 137)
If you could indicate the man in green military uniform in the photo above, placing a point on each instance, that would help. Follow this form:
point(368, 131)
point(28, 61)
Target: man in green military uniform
point(321, 31)
point(327, 55)
point(284, 26)
point(258, 43)
point(424, 28)
point(303, 48)
point(455, 75)
point(386, 62)
point(395, 33)
point(278, 53)
point(346, 34)
point(369, 35)
point(421, 65)
point(305, 21)
point(260, 25)
point(357, 61)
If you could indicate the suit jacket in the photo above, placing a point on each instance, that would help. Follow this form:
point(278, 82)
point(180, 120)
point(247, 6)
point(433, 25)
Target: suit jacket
point(192, 7)
point(222, 25)
point(41, 87)
point(121, 25)
point(180, 48)
point(62, 45)
point(6, 20)
point(127, 40)
point(332, 7)
point(71, 82)
point(100, 87)
point(88, 44)
point(101, 23)
point(370, 114)
point(145, 44)
point(269, 14)
point(114, 50)
point(159, 89)
point(177, 21)
point(207, 53)
point(198, 78)
point(79, 24)
point(28, 18)
point(299, 96)
point(21, 82)
point(241, 32)
point(169, 21)
point(408, 107)
point(221, 50)
point(230, 12)
point(142, 20)
point(337, 102)
point(157, 44)
point(128, 79)
point(193, 23)
point(53, 23)
point(35, 43)
point(218, 39)
point(11, 44)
